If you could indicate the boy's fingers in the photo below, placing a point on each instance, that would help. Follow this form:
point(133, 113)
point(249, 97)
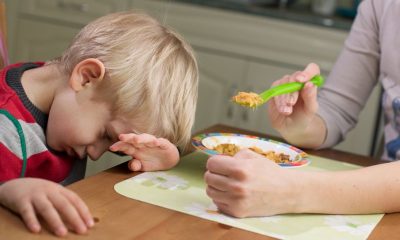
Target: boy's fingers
point(126, 136)
point(68, 213)
point(44, 207)
point(153, 143)
point(126, 148)
point(29, 217)
point(163, 143)
point(138, 139)
point(135, 165)
point(81, 207)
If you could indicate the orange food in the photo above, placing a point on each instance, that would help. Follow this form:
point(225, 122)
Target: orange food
point(231, 149)
point(227, 149)
point(246, 99)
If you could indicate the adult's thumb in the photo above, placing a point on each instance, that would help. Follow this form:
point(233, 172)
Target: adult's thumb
point(245, 154)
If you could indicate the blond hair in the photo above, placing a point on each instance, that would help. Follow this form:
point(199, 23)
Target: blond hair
point(151, 71)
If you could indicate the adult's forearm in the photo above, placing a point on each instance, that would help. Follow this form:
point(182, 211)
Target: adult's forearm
point(311, 136)
point(373, 189)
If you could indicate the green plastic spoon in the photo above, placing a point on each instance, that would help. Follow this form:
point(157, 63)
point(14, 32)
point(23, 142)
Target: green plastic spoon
point(254, 100)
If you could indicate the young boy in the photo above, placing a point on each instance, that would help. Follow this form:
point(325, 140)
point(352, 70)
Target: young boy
point(126, 84)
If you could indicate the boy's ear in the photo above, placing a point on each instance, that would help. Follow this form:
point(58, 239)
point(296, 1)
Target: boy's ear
point(86, 73)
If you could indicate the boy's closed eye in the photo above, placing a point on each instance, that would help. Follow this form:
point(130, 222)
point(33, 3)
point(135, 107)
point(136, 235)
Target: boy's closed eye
point(107, 135)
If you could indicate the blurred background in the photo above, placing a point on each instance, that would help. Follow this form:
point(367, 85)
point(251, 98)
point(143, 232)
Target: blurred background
point(240, 45)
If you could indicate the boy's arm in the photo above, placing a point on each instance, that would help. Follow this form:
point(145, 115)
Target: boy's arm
point(59, 207)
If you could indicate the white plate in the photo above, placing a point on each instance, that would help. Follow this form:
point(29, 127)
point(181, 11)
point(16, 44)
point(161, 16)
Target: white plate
point(208, 142)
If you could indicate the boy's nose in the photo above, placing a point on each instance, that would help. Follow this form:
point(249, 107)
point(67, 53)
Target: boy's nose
point(95, 151)
point(94, 156)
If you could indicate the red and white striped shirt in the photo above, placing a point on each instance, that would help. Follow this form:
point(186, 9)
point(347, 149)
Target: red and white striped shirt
point(41, 162)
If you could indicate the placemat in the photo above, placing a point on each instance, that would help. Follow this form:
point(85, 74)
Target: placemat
point(183, 189)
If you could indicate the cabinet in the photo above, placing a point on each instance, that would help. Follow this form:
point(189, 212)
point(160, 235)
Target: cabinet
point(260, 50)
point(42, 29)
point(50, 43)
point(235, 52)
point(220, 77)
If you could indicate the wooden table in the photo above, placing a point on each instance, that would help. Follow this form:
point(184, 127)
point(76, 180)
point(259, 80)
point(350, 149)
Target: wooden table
point(124, 218)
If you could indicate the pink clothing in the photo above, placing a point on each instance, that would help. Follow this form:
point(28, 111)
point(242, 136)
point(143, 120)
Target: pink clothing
point(371, 55)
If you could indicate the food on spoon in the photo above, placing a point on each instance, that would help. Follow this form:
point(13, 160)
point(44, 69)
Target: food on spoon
point(231, 149)
point(247, 99)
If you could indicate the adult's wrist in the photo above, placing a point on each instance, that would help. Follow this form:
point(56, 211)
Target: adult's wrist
point(314, 193)
point(307, 135)
point(298, 191)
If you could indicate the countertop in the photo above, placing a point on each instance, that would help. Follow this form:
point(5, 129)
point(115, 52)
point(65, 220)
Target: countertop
point(295, 12)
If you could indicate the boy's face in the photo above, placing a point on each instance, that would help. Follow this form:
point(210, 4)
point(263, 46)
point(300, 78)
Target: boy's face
point(82, 128)
point(79, 125)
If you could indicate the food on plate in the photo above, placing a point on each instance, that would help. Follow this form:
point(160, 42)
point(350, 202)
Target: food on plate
point(227, 149)
point(231, 149)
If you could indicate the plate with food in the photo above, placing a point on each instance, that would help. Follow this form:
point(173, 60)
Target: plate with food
point(230, 143)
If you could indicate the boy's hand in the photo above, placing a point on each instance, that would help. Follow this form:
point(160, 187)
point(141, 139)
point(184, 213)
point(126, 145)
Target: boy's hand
point(59, 207)
point(148, 152)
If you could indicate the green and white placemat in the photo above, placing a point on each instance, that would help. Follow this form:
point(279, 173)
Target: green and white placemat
point(183, 189)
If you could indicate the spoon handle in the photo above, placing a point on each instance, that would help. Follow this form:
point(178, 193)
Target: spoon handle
point(290, 87)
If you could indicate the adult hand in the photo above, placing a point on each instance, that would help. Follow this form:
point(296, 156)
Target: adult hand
point(59, 207)
point(248, 184)
point(293, 112)
point(148, 152)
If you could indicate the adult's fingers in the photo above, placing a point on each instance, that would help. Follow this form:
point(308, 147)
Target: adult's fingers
point(221, 164)
point(46, 209)
point(282, 102)
point(309, 96)
point(291, 98)
point(217, 181)
point(310, 71)
point(246, 154)
point(279, 100)
point(217, 195)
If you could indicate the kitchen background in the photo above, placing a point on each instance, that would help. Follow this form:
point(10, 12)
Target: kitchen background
point(240, 45)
